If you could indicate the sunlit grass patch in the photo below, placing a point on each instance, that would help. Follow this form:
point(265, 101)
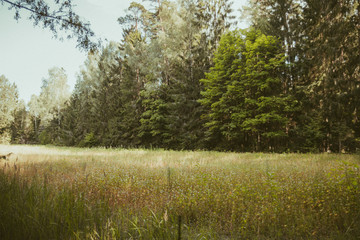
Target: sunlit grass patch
point(130, 194)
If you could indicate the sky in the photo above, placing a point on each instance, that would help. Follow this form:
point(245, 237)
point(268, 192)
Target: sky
point(28, 52)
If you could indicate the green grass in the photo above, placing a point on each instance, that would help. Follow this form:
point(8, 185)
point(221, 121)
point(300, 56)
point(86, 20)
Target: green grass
point(69, 193)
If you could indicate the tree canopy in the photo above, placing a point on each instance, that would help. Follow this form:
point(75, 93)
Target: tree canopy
point(8, 104)
point(183, 77)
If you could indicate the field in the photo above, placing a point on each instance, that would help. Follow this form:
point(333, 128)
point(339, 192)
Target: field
point(71, 193)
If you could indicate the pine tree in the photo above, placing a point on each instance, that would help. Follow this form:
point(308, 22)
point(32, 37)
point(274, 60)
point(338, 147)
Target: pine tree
point(247, 109)
point(333, 54)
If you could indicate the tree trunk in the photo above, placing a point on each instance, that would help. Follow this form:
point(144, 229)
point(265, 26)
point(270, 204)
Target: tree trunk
point(340, 146)
point(258, 142)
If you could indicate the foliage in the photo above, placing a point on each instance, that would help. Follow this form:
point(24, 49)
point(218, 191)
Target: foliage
point(53, 96)
point(8, 105)
point(320, 45)
point(136, 93)
point(244, 94)
point(46, 110)
point(20, 126)
point(180, 79)
point(57, 16)
point(89, 140)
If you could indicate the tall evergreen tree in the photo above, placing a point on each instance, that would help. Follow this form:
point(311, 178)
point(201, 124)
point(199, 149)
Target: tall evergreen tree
point(247, 107)
point(320, 40)
point(20, 126)
point(187, 35)
point(333, 56)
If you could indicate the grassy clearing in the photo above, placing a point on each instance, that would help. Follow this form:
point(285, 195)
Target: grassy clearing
point(69, 193)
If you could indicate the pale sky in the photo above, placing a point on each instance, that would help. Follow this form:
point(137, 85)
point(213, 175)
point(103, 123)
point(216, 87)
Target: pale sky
point(28, 52)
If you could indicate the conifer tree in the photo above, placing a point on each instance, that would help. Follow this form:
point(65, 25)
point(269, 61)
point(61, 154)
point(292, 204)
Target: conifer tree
point(247, 109)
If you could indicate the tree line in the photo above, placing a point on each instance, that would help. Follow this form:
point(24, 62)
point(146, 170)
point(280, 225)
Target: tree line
point(183, 77)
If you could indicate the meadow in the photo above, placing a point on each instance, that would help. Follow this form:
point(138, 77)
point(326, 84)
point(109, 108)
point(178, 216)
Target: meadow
point(73, 193)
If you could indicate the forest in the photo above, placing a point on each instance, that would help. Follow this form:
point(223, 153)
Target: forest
point(185, 77)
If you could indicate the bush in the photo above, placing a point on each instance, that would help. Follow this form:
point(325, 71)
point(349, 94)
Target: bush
point(5, 138)
point(45, 137)
point(89, 140)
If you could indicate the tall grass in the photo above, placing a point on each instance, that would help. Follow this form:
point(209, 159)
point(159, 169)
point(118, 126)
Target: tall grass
point(137, 194)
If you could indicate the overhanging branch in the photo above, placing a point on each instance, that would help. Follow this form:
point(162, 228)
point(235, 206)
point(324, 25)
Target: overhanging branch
point(57, 20)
